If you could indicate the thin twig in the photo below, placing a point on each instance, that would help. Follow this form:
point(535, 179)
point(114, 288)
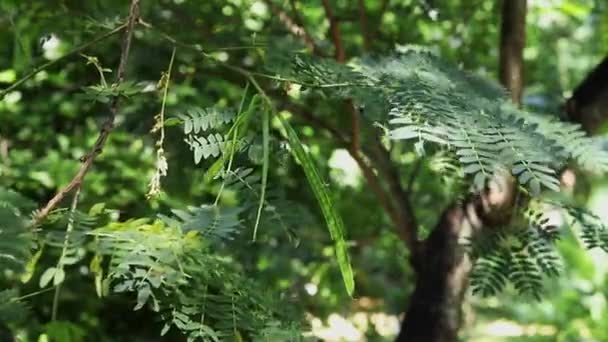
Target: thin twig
point(159, 125)
point(87, 160)
point(32, 294)
point(44, 66)
point(196, 47)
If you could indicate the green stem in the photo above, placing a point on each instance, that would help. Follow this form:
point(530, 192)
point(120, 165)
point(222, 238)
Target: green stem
point(33, 294)
point(64, 250)
point(233, 145)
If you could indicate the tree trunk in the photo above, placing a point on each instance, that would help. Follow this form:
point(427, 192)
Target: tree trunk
point(442, 273)
point(434, 312)
point(512, 41)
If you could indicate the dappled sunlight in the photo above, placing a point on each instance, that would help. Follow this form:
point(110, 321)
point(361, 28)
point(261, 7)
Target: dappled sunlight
point(355, 327)
point(506, 328)
point(345, 170)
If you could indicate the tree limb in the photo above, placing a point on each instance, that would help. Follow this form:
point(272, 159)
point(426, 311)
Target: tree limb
point(292, 25)
point(512, 40)
point(87, 160)
point(334, 29)
point(364, 22)
point(336, 134)
point(406, 223)
point(296, 15)
point(395, 201)
point(433, 313)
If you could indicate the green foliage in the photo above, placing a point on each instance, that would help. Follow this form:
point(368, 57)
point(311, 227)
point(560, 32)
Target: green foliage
point(15, 238)
point(521, 257)
point(49, 121)
point(198, 122)
point(525, 254)
point(212, 221)
point(333, 219)
point(214, 145)
point(593, 233)
point(430, 101)
point(172, 270)
point(203, 119)
point(204, 147)
point(64, 331)
point(104, 94)
point(11, 308)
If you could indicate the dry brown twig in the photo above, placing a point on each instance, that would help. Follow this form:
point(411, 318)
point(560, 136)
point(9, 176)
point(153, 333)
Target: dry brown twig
point(107, 126)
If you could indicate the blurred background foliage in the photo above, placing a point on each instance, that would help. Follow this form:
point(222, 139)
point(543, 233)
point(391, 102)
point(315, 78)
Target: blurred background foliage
point(46, 125)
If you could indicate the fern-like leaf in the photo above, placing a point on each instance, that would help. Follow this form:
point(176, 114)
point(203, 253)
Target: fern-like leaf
point(15, 237)
point(222, 223)
point(199, 120)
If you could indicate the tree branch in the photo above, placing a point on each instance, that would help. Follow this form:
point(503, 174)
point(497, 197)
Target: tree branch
point(292, 25)
point(395, 201)
point(364, 22)
point(407, 224)
point(512, 40)
point(334, 29)
point(296, 14)
point(340, 137)
point(397, 217)
point(87, 160)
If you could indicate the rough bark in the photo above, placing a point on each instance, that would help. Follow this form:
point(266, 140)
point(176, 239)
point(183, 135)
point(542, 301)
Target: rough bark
point(434, 312)
point(435, 307)
point(512, 40)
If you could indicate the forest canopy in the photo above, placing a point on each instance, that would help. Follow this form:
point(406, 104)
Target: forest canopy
point(269, 170)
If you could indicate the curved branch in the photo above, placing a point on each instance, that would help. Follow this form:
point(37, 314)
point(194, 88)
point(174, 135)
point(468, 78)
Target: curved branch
point(87, 160)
